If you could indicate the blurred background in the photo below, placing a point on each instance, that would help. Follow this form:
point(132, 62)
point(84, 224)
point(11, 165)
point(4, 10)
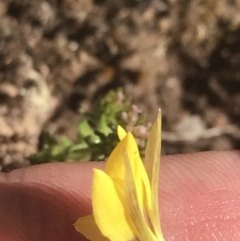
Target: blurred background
point(60, 58)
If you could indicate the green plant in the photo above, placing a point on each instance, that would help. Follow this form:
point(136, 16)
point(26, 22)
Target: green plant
point(96, 133)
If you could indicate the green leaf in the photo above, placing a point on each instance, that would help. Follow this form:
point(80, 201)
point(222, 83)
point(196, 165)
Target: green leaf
point(96, 133)
point(103, 126)
point(84, 129)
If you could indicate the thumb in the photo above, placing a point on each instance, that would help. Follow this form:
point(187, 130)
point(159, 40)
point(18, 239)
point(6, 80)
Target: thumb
point(199, 199)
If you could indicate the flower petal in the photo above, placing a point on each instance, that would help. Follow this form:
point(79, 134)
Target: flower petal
point(121, 132)
point(134, 208)
point(115, 167)
point(152, 165)
point(88, 227)
point(108, 209)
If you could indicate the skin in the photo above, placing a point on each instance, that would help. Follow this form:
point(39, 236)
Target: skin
point(199, 199)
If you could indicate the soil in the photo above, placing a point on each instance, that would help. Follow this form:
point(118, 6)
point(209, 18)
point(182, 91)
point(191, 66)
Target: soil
point(57, 56)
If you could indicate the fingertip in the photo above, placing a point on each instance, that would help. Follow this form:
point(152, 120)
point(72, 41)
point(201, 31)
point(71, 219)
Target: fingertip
point(44, 201)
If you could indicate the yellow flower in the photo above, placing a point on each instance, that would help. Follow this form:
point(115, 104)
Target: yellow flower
point(125, 195)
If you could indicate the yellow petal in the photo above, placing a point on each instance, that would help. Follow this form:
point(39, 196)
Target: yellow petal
point(152, 165)
point(115, 167)
point(121, 132)
point(115, 163)
point(108, 209)
point(134, 208)
point(88, 227)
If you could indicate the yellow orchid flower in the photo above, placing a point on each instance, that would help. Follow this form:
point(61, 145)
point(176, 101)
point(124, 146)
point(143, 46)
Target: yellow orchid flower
point(125, 195)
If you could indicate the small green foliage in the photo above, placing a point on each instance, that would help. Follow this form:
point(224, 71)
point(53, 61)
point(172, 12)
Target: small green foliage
point(96, 133)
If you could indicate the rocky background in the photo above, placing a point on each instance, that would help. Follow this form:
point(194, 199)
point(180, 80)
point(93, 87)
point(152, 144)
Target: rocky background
point(57, 56)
